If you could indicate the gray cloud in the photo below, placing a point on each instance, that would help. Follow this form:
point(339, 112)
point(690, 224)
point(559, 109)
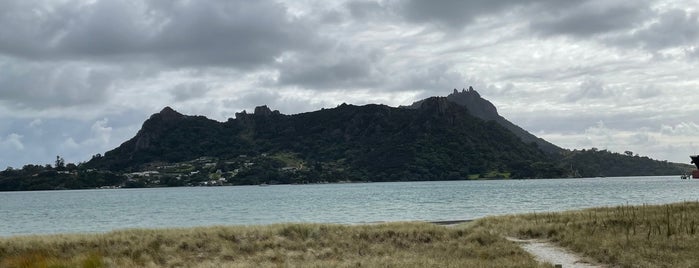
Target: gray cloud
point(681, 128)
point(450, 14)
point(190, 90)
point(33, 86)
point(337, 67)
point(432, 80)
point(589, 89)
point(209, 32)
point(579, 18)
point(647, 92)
point(13, 141)
point(623, 22)
point(231, 32)
point(366, 9)
point(590, 18)
point(672, 28)
point(554, 121)
point(75, 140)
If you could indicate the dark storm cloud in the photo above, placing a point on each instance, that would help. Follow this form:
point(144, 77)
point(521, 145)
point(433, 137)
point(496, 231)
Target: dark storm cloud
point(207, 32)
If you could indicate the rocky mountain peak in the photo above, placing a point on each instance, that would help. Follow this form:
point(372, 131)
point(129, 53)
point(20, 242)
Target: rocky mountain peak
point(167, 114)
point(265, 111)
point(476, 105)
point(469, 98)
point(262, 110)
point(484, 109)
point(259, 112)
point(470, 91)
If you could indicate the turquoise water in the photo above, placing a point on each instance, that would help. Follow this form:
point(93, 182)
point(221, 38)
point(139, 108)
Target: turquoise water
point(82, 211)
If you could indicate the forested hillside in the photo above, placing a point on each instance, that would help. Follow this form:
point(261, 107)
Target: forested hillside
point(603, 163)
point(440, 140)
point(457, 137)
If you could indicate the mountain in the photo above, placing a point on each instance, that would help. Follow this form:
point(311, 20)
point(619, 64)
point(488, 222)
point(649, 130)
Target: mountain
point(460, 136)
point(484, 109)
point(457, 137)
point(169, 136)
point(436, 139)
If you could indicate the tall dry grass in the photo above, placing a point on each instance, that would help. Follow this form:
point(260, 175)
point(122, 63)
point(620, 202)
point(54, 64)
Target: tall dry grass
point(624, 236)
point(284, 245)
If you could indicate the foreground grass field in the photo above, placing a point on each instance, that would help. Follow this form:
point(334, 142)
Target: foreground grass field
point(623, 236)
point(294, 245)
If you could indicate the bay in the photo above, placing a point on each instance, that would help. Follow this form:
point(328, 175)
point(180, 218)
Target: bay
point(90, 211)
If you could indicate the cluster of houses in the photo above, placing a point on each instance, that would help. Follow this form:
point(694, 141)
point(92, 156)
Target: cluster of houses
point(203, 171)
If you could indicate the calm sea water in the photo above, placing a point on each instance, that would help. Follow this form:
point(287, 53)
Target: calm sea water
point(83, 211)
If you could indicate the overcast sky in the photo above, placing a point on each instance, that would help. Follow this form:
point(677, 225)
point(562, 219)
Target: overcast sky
point(79, 77)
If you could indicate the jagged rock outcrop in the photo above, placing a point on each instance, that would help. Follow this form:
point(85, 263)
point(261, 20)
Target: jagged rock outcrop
point(168, 114)
point(149, 132)
point(484, 109)
point(437, 104)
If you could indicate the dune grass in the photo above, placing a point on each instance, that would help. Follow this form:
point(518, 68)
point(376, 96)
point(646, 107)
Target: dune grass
point(285, 245)
point(622, 236)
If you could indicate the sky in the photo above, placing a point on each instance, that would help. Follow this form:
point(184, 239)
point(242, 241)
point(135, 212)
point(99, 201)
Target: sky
point(79, 77)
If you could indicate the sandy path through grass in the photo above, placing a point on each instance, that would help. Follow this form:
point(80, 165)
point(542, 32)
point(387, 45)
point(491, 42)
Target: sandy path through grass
point(550, 253)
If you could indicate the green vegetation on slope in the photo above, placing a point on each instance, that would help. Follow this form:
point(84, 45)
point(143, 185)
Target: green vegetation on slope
point(603, 163)
point(441, 140)
point(34, 177)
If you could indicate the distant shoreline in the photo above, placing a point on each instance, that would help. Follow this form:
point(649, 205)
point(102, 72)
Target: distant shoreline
point(340, 182)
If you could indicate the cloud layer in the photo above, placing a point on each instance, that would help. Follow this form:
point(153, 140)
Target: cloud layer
point(79, 77)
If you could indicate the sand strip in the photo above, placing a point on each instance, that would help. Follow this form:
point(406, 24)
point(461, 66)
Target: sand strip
point(550, 253)
point(450, 223)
